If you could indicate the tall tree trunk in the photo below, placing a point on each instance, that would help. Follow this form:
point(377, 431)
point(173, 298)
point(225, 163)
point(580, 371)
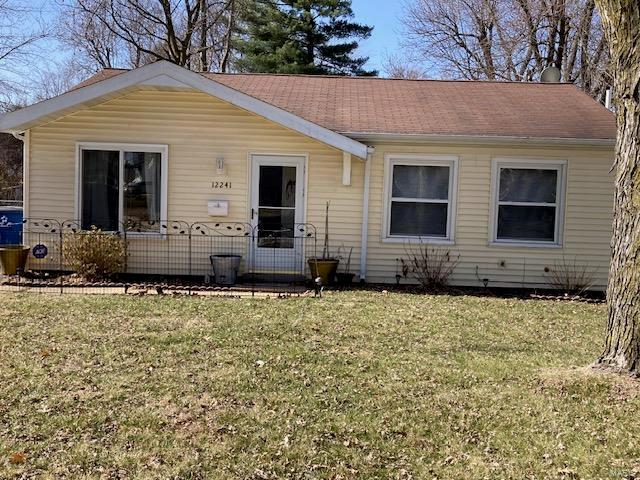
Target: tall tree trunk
point(204, 33)
point(621, 20)
point(224, 63)
point(309, 34)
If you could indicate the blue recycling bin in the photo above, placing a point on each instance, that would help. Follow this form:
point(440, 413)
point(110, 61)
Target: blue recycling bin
point(10, 225)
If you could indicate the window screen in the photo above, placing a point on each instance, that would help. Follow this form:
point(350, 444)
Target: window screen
point(527, 204)
point(419, 205)
point(142, 191)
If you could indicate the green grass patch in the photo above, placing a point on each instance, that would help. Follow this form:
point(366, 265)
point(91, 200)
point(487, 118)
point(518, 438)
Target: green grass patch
point(355, 385)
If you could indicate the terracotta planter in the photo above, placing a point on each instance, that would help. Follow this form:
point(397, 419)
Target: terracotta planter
point(13, 258)
point(325, 269)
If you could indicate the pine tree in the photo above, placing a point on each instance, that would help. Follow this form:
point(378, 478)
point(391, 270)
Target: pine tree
point(301, 36)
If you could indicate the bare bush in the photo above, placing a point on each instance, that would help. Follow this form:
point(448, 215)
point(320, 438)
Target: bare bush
point(95, 255)
point(430, 266)
point(569, 277)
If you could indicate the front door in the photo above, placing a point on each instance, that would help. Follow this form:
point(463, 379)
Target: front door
point(277, 205)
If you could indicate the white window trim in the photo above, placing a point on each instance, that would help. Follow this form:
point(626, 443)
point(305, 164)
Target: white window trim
point(163, 150)
point(450, 161)
point(532, 163)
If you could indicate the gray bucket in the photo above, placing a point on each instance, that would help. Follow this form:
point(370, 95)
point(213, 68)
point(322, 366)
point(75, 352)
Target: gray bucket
point(225, 268)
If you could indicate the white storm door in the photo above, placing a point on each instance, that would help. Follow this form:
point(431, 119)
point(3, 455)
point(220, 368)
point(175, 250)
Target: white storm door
point(277, 206)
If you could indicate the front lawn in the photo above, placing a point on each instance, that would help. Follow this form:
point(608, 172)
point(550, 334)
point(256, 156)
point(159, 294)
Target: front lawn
point(356, 385)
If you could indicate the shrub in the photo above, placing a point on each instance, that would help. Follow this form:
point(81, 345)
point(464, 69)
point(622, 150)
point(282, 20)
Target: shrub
point(430, 266)
point(569, 277)
point(94, 254)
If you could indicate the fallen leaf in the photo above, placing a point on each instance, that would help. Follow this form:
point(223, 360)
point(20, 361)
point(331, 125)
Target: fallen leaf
point(17, 458)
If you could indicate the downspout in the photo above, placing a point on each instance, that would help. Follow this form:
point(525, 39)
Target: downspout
point(364, 234)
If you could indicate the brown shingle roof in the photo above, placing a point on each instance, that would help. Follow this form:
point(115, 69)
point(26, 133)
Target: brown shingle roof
point(427, 107)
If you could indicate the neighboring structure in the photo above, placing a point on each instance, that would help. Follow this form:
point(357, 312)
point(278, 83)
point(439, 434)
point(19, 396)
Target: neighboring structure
point(510, 176)
point(10, 170)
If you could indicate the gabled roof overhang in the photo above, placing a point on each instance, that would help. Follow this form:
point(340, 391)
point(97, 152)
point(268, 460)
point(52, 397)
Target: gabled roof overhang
point(164, 74)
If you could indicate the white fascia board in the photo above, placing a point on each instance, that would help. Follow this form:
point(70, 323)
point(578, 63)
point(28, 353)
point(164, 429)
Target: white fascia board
point(41, 112)
point(479, 139)
point(55, 107)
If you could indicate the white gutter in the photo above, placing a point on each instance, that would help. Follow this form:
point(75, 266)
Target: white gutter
point(364, 233)
point(480, 139)
point(608, 101)
point(18, 135)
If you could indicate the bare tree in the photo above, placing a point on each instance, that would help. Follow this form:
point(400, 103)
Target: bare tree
point(510, 39)
point(221, 37)
point(20, 32)
point(216, 34)
point(128, 33)
point(400, 67)
point(10, 168)
point(54, 79)
point(621, 19)
point(94, 46)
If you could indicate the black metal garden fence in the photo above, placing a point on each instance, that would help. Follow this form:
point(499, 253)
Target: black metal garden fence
point(164, 256)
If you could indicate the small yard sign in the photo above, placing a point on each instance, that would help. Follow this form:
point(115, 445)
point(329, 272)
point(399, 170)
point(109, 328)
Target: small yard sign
point(40, 251)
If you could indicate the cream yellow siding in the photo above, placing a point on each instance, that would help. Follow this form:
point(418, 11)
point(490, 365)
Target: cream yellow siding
point(587, 219)
point(198, 128)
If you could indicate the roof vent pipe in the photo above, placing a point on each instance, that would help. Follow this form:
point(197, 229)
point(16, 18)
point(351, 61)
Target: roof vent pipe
point(607, 99)
point(551, 74)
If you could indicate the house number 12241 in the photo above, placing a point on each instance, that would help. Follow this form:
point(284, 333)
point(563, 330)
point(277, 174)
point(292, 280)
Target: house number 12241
point(220, 184)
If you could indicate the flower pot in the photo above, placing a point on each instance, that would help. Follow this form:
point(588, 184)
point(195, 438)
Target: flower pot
point(344, 278)
point(13, 258)
point(225, 268)
point(323, 268)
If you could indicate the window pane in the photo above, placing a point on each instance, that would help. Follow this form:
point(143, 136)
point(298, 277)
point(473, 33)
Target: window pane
point(100, 185)
point(277, 186)
point(526, 223)
point(528, 185)
point(411, 181)
point(419, 219)
point(142, 191)
point(275, 227)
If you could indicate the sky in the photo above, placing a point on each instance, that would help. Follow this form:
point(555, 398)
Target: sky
point(384, 16)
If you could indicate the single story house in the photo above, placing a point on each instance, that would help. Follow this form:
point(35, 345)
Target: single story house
point(512, 177)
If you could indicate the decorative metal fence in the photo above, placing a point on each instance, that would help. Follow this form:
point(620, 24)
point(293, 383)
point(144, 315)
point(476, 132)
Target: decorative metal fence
point(171, 256)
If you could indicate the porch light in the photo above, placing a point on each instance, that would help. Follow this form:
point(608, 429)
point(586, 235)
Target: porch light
point(219, 164)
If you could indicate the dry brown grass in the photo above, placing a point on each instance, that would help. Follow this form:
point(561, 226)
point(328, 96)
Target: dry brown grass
point(356, 385)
